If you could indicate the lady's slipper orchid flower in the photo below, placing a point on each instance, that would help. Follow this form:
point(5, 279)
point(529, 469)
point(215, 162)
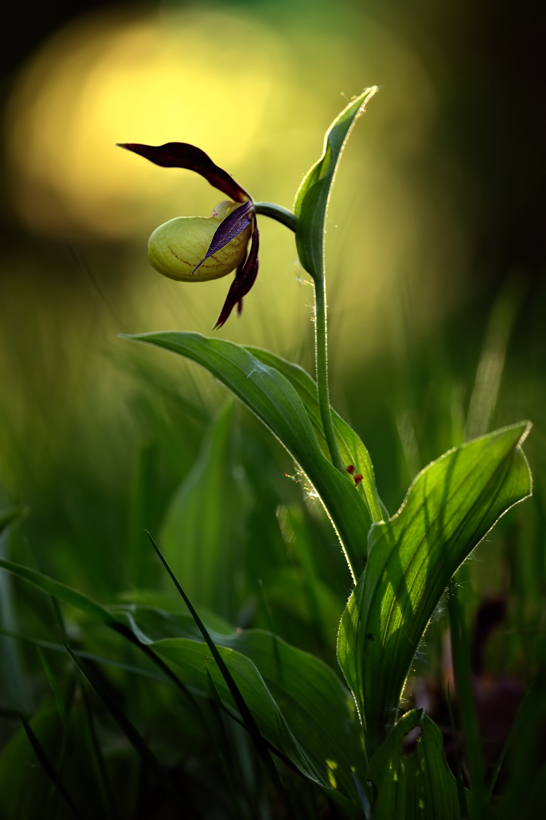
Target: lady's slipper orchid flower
point(196, 249)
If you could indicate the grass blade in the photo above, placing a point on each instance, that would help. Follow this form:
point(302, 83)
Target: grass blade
point(59, 700)
point(460, 783)
point(262, 747)
point(448, 510)
point(271, 396)
point(48, 767)
point(246, 714)
point(97, 760)
point(98, 613)
point(132, 734)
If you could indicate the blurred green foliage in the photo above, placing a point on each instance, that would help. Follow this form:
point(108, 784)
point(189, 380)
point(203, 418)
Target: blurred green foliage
point(436, 302)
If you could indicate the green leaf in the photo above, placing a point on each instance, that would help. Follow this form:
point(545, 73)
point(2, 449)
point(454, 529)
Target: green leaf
point(98, 763)
point(316, 704)
point(327, 745)
point(464, 686)
point(244, 688)
point(95, 611)
point(247, 717)
point(57, 647)
point(449, 508)
point(167, 608)
point(134, 737)
point(417, 784)
point(201, 531)
point(59, 699)
point(299, 704)
point(60, 591)
point(313, 702)
point(276, 402)
point(351, 448)
point(312, 197)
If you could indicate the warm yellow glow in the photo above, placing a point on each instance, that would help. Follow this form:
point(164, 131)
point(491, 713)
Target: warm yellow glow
point(150, 80)
point(258, 99)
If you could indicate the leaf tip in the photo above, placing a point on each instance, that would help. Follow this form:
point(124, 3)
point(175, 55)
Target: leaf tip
point(527, 426)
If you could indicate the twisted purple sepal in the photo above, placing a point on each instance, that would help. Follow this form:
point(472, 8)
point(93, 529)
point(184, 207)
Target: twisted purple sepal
point(244, 279)
point(184, 155)
point(229, 228)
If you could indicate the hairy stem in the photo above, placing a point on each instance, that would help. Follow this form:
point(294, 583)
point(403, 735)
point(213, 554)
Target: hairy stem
point(290, 220)
point(277, 212)
point(321, 356)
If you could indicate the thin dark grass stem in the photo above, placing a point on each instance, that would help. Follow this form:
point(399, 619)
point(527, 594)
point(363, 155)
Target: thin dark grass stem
point(460, 782)
point(262, 747)
point(133, 735)
point(235, 786)
point(463, 684)
point(97, 758)
point(48, 767)
point(321, 357)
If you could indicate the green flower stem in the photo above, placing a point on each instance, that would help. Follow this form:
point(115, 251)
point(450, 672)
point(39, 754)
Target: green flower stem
point(282, 215)
point(321, 358)
point(286, 217)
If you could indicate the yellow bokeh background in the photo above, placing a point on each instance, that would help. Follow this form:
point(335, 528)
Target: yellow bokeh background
point(257, 95)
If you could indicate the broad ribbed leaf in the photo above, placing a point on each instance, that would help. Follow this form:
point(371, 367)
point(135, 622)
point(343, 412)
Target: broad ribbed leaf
point(298, 702)
point(351, 448)
point(417, 784)
point(304, 709)
point(312, 700)
point(449, 508)
point(275, 401)
point(312, 197)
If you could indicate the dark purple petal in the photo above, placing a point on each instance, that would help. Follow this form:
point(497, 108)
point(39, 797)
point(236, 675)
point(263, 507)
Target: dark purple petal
point(244, 279)
point(228, 229)
point(184, 155)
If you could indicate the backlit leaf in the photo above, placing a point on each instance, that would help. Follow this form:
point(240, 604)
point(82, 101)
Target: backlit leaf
point(298, 702)
point(276, 402)
point(351, 448)
point(413, 783)
point(312, 197)
point(449, 508)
